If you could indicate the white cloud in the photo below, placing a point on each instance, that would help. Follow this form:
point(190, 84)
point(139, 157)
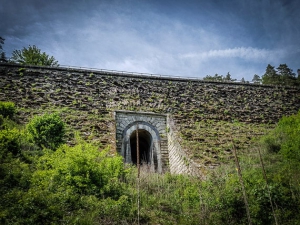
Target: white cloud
point(246, 53)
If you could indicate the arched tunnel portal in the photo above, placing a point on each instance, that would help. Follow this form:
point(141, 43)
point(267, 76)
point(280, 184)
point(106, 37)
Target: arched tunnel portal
point(152, 138)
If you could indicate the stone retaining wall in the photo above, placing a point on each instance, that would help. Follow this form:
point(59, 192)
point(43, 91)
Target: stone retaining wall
point(97, 94)
point(180, 161)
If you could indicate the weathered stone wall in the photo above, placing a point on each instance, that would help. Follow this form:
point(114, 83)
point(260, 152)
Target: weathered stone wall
point(85, 90)
point(94, 95)
point(180, 160)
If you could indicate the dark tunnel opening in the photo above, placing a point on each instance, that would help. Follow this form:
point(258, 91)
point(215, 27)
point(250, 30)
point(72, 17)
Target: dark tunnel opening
point(144, 147)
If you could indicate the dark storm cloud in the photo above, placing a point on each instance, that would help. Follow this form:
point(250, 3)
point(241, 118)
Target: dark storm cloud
point(168, 37)
point(19, 15)
point(16, 16)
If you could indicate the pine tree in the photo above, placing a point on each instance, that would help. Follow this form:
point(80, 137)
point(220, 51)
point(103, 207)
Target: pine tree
point(2, 53)
point(256, 79)
point(270, 76)
point(286, 74)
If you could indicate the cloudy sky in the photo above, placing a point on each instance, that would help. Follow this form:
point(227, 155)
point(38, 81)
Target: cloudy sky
point(190, 38)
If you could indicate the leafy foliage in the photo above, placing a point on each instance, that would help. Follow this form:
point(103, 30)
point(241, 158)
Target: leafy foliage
point(282, 76)
point(2, 53)
point(81, 168)
point(47, 130)
point(1, 120)
point(289, 131)
point(287, 76)
point(74, 179)
point(83, 184)
point(33, 56)
point(7, 109)
point(256, 79)
point(9, 142)
point(285, 138)
point(270, 76)
point(1, 43)
point(218, 77)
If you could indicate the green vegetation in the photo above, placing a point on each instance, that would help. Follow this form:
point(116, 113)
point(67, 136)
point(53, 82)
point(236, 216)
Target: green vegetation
point(47, 130)
point(285, 138)
point(256, 79)
point(2, 53)
point(7, 109)
point(84, 184)
point(218, 77)
point(210, 141)
point(33, 56)
point(282, 76)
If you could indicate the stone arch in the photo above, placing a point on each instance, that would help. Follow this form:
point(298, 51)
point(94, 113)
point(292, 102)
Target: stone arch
point(150, 149)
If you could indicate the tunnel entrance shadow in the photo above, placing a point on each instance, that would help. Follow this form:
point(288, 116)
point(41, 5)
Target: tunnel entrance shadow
point(145, 145)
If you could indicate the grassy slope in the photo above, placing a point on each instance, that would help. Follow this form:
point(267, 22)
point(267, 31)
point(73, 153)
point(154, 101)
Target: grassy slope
point(164, 199)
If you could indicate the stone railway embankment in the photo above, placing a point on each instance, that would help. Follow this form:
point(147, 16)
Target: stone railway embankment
point(189, 101)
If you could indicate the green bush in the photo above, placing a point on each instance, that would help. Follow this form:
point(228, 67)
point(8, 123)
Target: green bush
point(271, 143)
point(289, 128)
point(84, 185)
point(83, 168)
point(75, 181)
point(7, 109)
point(9, 142)
point(1, 120)
point(47, 130)
point(284, 139)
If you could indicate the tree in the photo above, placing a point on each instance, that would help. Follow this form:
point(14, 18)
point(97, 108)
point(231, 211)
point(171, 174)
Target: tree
point(2, 53)
point(228, 77)
point(33, 56)
point(286, 75)
point(270, 76)
point(256, 79)
point(217, 77)
point(283, 76)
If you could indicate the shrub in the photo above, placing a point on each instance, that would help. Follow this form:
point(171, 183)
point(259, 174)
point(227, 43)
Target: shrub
point(7, 109)
point(289, 128)
point(1, 120)
point(284, 139)
point(271, 143)
point(47, 130)
point(73, 182)
point(83, 168)
point(9, 142)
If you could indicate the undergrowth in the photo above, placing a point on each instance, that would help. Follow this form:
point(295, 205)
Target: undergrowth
point(85, 184)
